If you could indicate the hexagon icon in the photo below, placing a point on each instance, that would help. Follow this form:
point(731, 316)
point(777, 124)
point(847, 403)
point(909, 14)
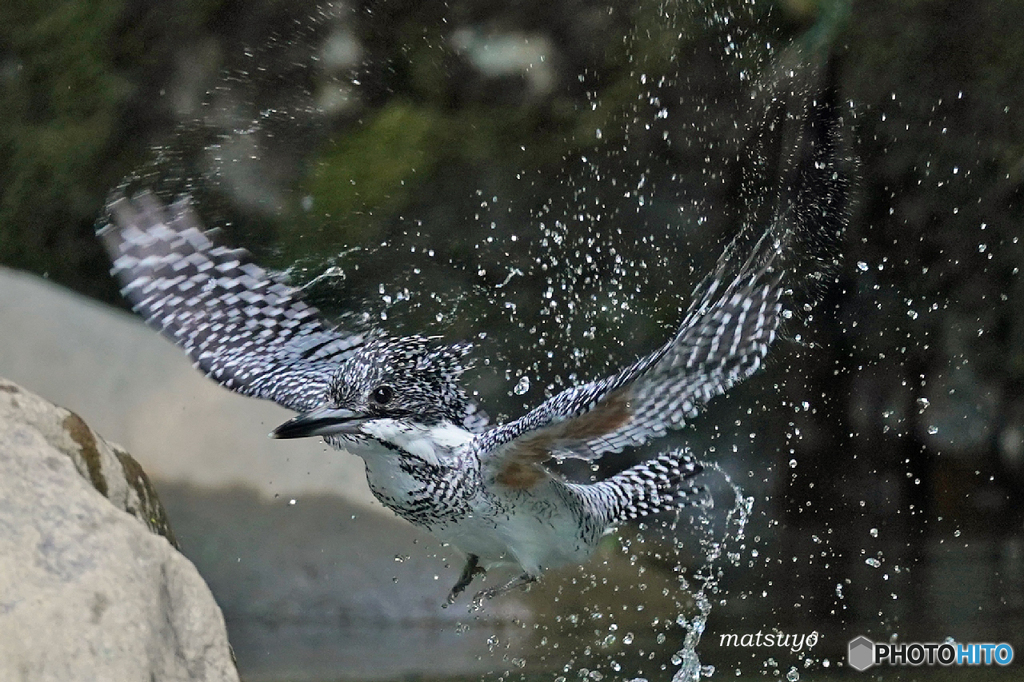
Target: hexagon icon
point(862, 653)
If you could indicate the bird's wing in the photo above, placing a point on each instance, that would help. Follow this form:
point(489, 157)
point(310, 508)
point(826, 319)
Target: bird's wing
point(734, 317)
point(723, 339)
point(240, 326)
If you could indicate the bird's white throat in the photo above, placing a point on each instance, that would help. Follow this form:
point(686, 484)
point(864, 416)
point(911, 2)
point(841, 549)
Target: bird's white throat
point(433, 444)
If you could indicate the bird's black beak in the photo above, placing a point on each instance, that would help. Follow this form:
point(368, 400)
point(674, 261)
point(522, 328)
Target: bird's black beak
point(323, 421)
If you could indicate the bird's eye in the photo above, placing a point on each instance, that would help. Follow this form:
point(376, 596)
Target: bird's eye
point(382, 394)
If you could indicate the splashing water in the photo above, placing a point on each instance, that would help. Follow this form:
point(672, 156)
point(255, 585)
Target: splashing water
point(729, 543)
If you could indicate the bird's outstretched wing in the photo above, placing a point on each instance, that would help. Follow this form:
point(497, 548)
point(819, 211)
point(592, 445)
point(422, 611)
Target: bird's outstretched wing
point(734, 317)
point(723, 339)
point(247, 331)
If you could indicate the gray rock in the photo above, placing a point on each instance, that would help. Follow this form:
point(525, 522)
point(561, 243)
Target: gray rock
point(109, 468)
point(88, 591)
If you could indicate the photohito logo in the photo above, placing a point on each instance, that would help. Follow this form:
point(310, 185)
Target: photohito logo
point(863, 653)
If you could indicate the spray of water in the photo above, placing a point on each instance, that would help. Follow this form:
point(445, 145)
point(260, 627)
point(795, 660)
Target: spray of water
point(727, 543)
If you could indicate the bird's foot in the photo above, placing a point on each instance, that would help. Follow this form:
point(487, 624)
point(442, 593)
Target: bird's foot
point(470, 571)
point(490, 593)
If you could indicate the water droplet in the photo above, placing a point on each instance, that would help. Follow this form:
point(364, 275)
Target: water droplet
point(873, 563)
point(793, 675)
point(932, 430)
point(522, 386)
point(862, 266)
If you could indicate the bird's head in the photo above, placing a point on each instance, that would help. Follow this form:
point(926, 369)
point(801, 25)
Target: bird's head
point(410, 381)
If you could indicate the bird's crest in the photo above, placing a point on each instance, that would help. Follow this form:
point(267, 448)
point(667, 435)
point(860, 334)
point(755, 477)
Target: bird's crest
point(421, 355)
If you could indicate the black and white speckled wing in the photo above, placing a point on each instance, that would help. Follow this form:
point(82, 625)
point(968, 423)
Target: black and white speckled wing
point(247, 331)
point(724, 337)
point(725, 334)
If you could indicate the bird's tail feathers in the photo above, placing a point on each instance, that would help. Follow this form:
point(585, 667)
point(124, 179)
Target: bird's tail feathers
point(664, 483)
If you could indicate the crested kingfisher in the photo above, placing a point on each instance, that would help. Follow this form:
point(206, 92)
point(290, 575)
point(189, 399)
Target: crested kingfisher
point(430, 454)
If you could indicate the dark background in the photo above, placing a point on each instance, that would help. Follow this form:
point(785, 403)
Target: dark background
point(560, 213)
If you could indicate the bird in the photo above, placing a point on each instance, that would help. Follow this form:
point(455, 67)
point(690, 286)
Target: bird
point(430, 453)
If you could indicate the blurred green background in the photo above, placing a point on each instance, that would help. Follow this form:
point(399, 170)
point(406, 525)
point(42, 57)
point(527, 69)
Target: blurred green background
point(551, 178)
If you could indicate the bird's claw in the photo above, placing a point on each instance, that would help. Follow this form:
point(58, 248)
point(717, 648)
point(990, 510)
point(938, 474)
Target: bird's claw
point(471, 570)
point(492, 592)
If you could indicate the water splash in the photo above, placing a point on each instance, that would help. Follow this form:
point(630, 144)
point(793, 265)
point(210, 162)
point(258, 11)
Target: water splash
point(723, 541)
point(729, 545)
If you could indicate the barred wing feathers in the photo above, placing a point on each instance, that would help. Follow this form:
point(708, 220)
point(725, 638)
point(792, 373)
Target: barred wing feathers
point(723, 339)
point(247, 331)
point(725, 334)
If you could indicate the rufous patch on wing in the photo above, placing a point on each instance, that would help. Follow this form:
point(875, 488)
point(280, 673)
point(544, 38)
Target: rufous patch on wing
point(521, 474)
point(522, 469)
point(608, 415)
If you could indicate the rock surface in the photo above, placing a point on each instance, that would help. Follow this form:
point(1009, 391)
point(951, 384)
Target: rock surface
point(109, 468)
point(88, 591)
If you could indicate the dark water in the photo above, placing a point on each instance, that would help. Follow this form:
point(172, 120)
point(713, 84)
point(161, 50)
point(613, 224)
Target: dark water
point(310, 593)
